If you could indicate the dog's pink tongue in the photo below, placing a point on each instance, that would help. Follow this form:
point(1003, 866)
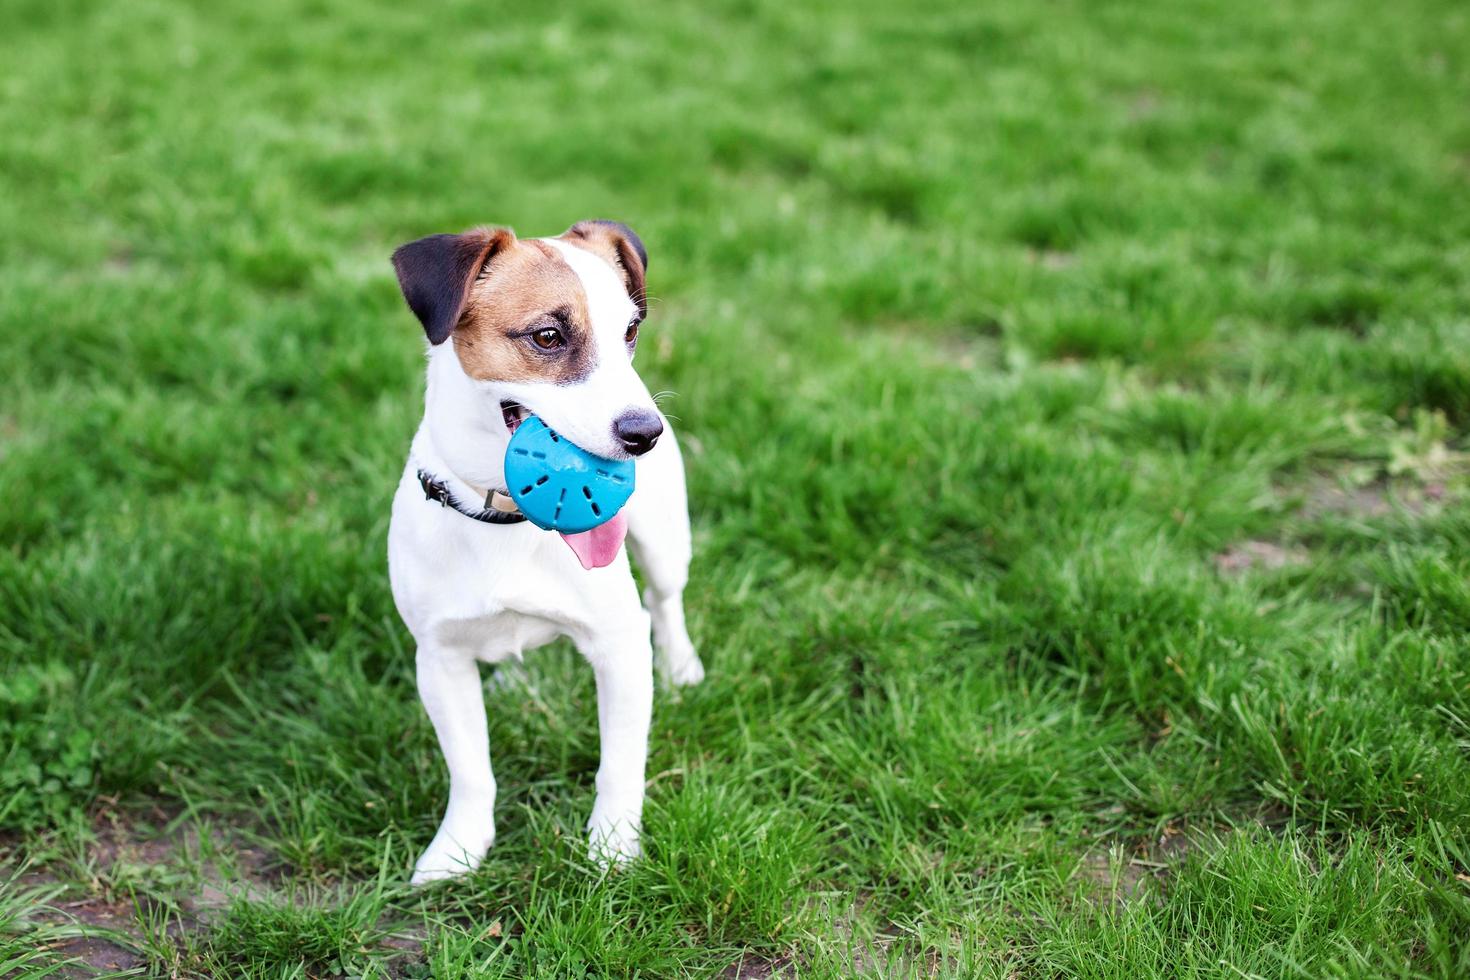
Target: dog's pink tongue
point(599, 546)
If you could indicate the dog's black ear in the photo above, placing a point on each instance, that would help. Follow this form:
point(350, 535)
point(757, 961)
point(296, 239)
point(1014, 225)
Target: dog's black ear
point(436, 273)
point(620, 246)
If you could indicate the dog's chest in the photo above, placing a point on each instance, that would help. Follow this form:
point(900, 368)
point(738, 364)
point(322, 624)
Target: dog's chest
point(502, 635)
point(497, 591)
point(499, 608)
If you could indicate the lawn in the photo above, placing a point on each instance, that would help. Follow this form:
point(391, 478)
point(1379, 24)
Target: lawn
point(1076, 405)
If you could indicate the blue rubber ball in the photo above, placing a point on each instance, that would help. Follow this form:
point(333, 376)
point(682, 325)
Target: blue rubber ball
point(560, 486)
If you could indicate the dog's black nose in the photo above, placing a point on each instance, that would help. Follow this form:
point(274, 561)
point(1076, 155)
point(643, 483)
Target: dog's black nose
point(638, 429)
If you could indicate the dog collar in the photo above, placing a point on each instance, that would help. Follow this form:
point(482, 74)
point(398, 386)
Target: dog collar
point(499, 507)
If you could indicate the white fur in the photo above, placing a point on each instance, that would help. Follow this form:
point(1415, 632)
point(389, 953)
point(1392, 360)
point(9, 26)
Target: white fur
point(472, 592)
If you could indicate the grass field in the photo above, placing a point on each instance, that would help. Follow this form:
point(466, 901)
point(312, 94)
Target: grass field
point(1076, 401)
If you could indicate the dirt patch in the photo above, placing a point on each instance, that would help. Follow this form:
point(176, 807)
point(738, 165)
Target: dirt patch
point(119, 260)
point(1329, 496)
point(131, 852)
point(1144, 104)
point(1325, 496)
point(865, 941)
point(79, 936)
point(1120, 876)
point(967, 345)
point(752, 967)
point(91, 923)
point(1054, 259)
point(103, 940)
point(1257, 554)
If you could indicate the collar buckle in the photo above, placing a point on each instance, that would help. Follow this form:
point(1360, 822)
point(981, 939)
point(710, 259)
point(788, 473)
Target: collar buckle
point(499, 507)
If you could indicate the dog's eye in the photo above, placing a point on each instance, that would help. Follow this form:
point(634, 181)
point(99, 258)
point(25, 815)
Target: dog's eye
point(549, 338)
point(630, 337)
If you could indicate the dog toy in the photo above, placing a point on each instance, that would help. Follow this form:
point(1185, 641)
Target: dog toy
point(560, 486)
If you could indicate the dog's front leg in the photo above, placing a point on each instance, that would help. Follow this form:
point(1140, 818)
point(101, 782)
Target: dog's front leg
point(624, 669)
point(449, 684)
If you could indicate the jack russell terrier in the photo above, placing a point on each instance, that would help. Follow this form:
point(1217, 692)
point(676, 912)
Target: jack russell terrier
point(544, 327)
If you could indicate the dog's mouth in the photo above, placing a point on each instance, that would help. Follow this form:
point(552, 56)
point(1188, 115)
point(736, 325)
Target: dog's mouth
point(594, 548)
point(514, 414)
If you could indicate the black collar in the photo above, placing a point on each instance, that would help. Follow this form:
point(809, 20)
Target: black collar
point(436, 489)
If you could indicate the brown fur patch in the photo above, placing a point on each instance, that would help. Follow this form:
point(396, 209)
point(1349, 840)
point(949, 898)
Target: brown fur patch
point(525, 287)
point(435, 274)
point(618, 246)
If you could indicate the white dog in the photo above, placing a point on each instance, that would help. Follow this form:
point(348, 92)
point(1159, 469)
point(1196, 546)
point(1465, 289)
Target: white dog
point(546, 326)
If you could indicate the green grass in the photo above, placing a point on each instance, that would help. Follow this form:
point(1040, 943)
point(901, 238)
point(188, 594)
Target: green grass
point(996, 331)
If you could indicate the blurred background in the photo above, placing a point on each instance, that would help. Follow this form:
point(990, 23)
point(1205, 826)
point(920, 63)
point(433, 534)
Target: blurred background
point(1074, 400)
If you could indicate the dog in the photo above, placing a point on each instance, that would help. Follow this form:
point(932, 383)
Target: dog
point(545, 326)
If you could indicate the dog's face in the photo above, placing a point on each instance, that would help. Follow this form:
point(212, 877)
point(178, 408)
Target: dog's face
point(546, 326)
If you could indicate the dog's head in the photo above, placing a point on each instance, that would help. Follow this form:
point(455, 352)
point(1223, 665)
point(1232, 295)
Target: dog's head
point(544, 325)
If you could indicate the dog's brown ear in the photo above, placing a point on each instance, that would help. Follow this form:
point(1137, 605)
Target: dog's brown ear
point(621, 247)
point(436, 273)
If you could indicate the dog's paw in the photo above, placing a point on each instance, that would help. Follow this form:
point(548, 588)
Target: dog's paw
point(685, 671)
point(447, 858)
point(611, 844)
point(428, 875)
point(679, 664)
